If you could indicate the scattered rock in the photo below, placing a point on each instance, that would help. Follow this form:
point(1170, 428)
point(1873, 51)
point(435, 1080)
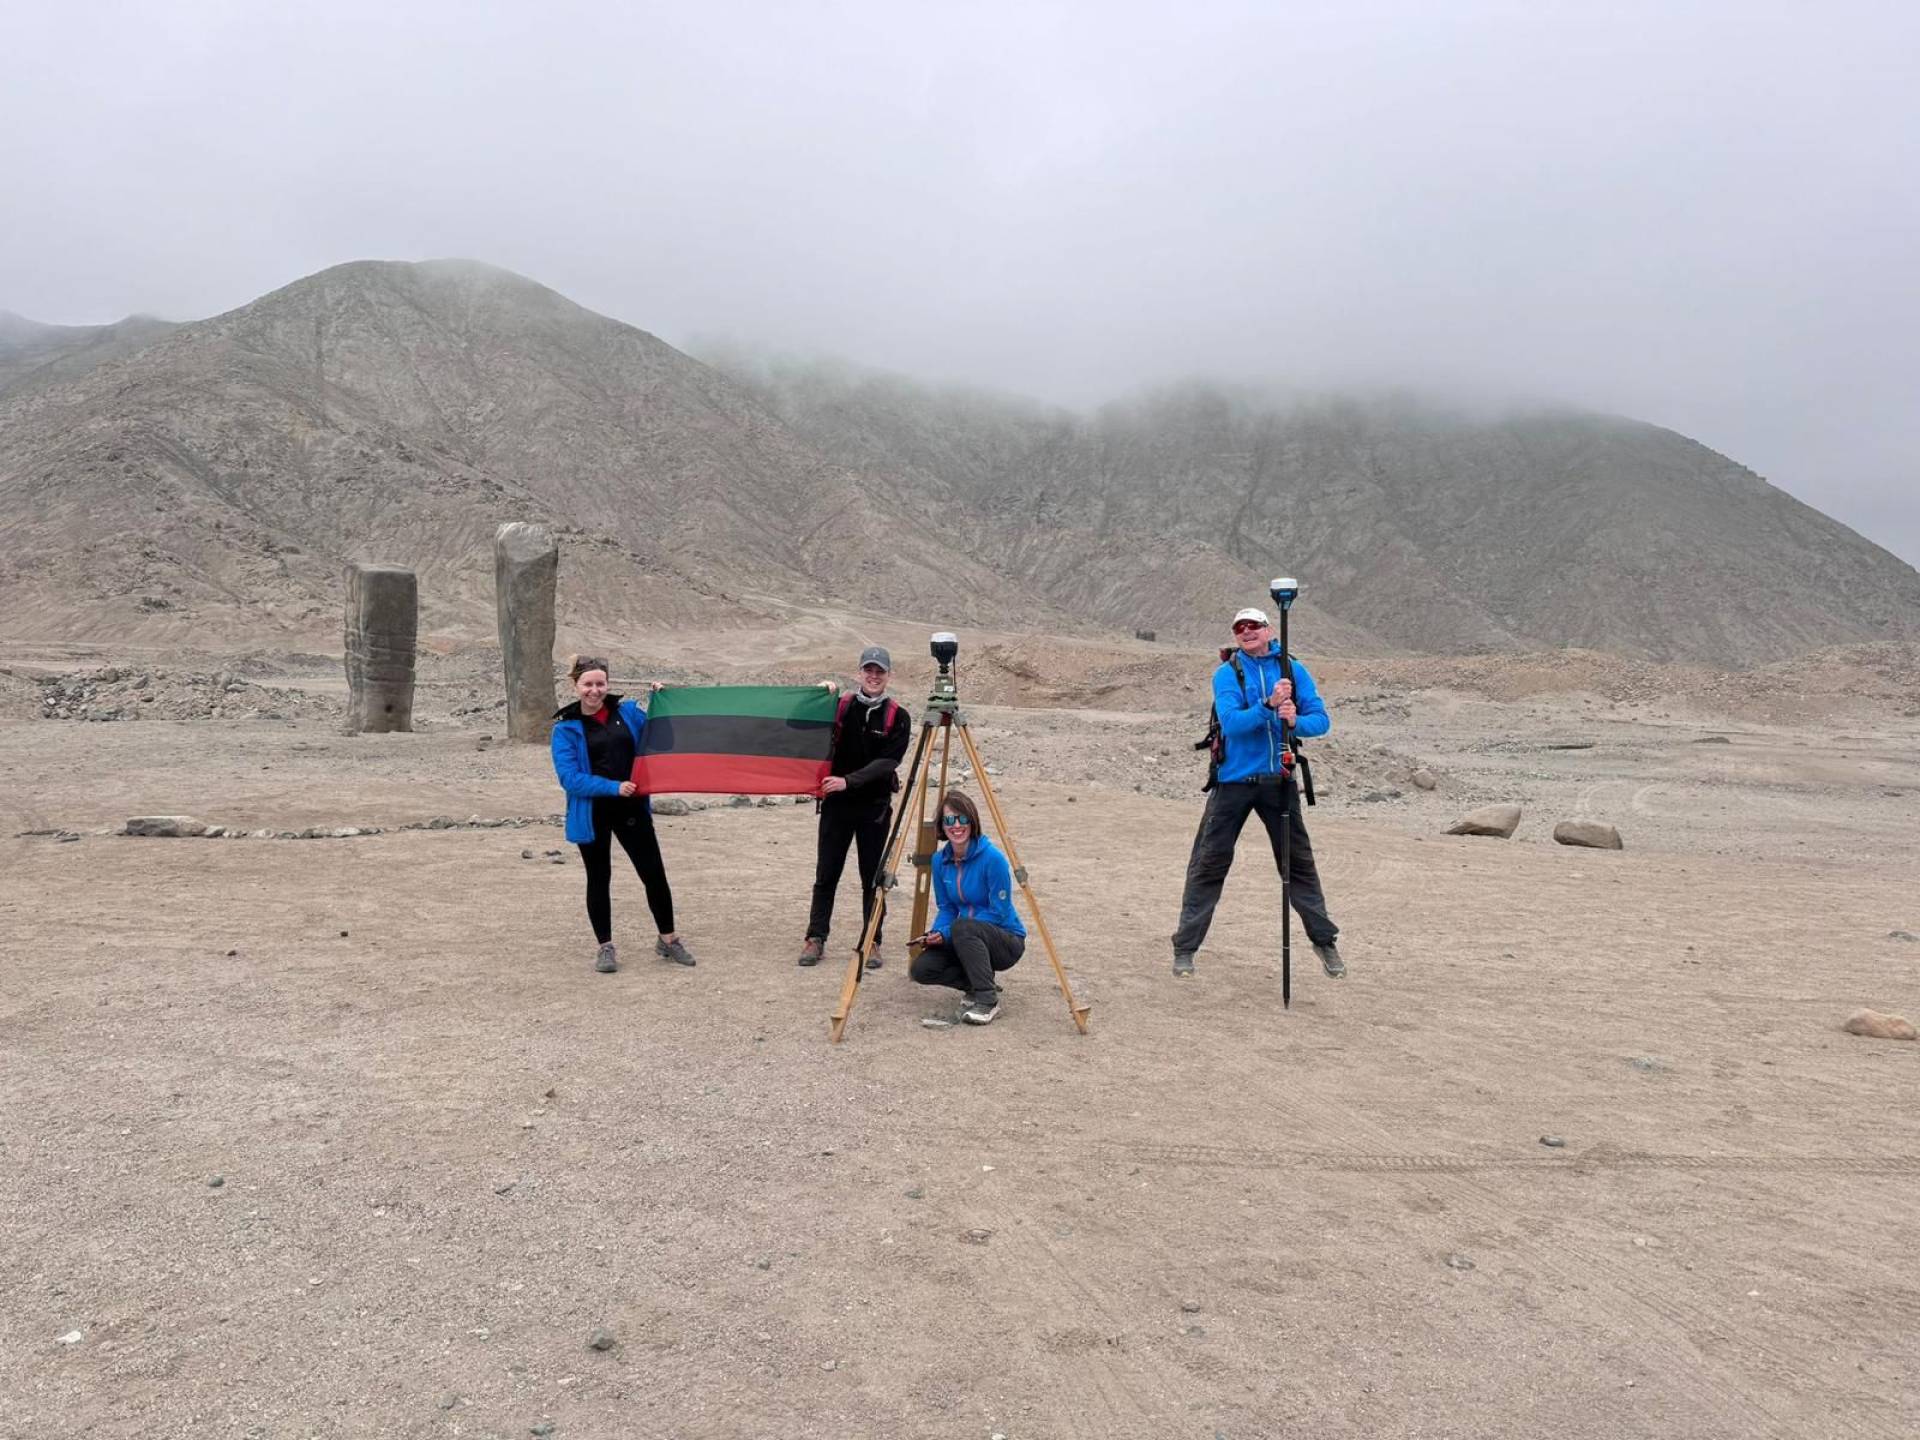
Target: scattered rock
point(1553, 1142)
point(1190, 1307)
point(601, 1339)
point(214, 1182)
point(1194, 1332)
point(977, 1236)
point(1499, 821)
point(1590, 833)
point(672, 805)
point(343, 934)
point(763, 1263)
point(449, 1400)
point(1646, 1064)
point(1457, 1261)
point(917, 1192)
point(164, 826)
point(1875, 1026)
point(829, 1364)
point(1424, 780)
point(545, 1427)
point(1906, 935)
point(1713, 740)
point(1372, 796)
point(526, 854)
point(741, 802)
point(72, 1337)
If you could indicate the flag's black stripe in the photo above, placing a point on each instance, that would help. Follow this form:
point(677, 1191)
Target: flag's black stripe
point(737, 735)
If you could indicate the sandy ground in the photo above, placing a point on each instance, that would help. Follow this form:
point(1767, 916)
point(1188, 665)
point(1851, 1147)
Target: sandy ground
point(449, 1152)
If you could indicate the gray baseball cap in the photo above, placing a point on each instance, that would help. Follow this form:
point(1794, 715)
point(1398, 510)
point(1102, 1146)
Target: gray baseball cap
point(876, 655)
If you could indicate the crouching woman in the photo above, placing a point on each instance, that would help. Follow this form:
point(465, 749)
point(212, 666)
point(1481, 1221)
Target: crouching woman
point(976, 933)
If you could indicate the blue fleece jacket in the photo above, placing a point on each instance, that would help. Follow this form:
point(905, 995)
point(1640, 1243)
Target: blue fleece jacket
point(1251, 729)
point(980, 887)
point(570, 763)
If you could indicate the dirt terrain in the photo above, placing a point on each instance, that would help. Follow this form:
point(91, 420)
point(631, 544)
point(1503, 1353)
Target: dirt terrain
point(341, 1136)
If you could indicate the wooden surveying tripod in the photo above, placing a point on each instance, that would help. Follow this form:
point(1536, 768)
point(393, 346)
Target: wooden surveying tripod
point(942, 719)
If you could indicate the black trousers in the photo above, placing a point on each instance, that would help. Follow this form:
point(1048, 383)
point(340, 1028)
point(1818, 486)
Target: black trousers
point(863, 825)
point(629, 821)
point(1228, 806)
point(973, 953)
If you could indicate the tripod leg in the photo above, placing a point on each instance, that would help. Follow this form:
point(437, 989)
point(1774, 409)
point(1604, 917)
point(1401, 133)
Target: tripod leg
point(896, 846)
point(1076, 1010)
point(929, 839)
point(1286, 896)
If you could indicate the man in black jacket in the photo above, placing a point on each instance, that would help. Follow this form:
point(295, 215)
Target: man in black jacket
point(856, 799)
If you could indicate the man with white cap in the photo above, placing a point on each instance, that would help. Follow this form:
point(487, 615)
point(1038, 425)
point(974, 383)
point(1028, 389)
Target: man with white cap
point(856, 800)
point(1257, 704)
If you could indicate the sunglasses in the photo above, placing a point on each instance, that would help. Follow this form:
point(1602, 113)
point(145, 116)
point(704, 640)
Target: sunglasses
point(955, 820)
point(1241, 627)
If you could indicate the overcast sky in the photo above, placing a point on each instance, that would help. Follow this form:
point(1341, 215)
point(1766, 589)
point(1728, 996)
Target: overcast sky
point(1704, 215)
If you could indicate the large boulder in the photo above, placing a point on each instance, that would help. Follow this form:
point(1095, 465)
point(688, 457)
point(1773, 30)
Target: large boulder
point(1590, 833)
point(1499, 821)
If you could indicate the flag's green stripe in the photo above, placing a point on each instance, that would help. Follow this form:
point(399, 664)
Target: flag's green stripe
point(736, 735)
point(778, 702)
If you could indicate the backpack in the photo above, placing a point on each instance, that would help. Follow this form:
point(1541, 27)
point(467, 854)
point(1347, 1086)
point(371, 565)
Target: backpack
point(1215, 743)
point(840, 718)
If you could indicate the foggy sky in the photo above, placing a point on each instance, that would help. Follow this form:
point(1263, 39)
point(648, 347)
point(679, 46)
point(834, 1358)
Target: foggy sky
point(1702, 215)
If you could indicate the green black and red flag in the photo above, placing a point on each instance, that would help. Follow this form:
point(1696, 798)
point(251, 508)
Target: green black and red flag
point(747, 739)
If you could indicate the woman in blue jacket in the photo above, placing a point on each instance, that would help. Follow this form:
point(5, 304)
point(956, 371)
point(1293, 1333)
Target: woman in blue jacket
point(976, 932)
point(594, 742)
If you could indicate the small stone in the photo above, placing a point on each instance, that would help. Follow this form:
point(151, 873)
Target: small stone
point(449, 1400)
point(343, 934)
point(1876, 1026)
point(741, 802)
point(168, 826)
point(1498, 821)
point(526, 854)
point(977, 1236)
point(1906, 935)
point(505, 1189)
point(829, 1364)
point(1553, 1142)
point(763, 1263)
point(1194, 1332)
point(1424, 780)
point(1646, 1064)
point(1590, 834)
point(917, 1192)
point(601, 1339)
point(1457, 1261)
point(232, 953)
point(72, 1337)
point(545, 1427)
point(672, 805)
point(214, 1182)
point(1190, 1307)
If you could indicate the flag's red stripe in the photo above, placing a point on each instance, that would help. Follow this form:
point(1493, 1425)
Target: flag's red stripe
point(734, 774)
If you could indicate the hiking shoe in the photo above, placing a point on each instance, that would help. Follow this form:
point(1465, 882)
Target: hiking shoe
point(1330, 960)
point(873, 958)
point(673, 950)
point(812, 951)
point(1183, 964)
point(606, 962)
point(981, 1012)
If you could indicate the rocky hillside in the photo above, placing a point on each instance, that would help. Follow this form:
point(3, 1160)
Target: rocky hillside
point(203, 484)
point(1437, 530)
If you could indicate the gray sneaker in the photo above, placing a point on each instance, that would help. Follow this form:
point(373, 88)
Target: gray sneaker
point(812, 950)
point(1183, 964)
point(673, 950)
point(606, 962)
point(981, 1012)
point(1330, 960)
point(873, 958)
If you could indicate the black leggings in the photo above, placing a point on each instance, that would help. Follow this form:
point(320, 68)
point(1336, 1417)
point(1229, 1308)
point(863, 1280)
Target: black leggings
point(631, 821)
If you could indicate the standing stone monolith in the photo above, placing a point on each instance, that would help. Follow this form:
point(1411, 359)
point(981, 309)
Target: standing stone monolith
point(526, 566)
point(383, 621)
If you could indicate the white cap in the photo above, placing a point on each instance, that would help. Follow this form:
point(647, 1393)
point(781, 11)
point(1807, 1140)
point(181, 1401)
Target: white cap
point(1252, 613)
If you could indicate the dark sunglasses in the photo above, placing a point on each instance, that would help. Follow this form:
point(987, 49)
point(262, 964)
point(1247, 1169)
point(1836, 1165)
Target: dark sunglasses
point(955, 820)
point(1241, 627)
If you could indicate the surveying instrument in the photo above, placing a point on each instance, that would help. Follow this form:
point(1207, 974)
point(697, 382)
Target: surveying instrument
point(941, 722)
point(1285, 590)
